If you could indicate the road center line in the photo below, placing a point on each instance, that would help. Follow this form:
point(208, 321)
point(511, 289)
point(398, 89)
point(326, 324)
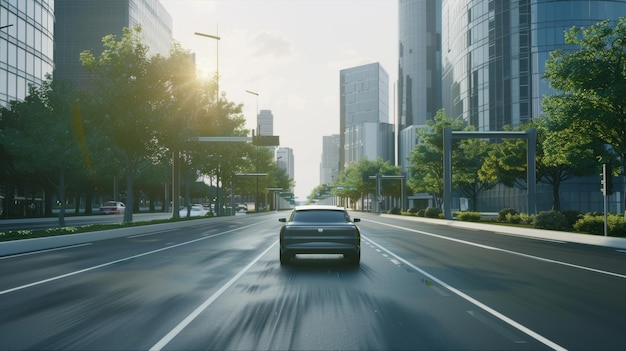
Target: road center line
point(30, 285)
point(193, 315)
point(502, 250)
point(475, 302)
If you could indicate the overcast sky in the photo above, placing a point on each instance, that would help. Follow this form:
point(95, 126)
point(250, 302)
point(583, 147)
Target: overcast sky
point(290, 52)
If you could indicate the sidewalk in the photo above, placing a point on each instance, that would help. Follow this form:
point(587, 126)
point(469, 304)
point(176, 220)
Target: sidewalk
point(598, 240)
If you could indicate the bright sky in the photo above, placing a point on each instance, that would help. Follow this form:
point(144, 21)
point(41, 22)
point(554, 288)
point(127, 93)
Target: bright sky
point(290, 52)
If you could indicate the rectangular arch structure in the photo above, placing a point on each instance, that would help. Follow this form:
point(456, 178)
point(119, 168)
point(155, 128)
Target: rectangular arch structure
point(531, 170)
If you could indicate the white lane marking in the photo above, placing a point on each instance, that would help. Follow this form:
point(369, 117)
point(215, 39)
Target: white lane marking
point(497, 327)
point(193, 315)
point(623, 276)
point(475, 302)
point(30, 285)
point(43, 251)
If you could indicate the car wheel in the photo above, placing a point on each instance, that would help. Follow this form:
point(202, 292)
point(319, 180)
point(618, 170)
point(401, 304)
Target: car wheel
point(285, 258)
point(354, 259)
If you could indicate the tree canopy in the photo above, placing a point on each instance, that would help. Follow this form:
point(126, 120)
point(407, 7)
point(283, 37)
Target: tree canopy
point(588, 106)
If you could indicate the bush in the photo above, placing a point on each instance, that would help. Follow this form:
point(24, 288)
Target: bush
point(553, 220)
point(413, 211)
point(395, 210)
point(432, 212)
point(572, 217)
point(468, 216)
point(616, 224)
point(590, 224)
point(513, 218)
point(505, 211)
point(593, 223)
point(527, 219)
point(421, 212)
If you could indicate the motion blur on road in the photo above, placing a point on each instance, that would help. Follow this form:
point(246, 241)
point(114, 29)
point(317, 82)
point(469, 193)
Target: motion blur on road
point(217, 284)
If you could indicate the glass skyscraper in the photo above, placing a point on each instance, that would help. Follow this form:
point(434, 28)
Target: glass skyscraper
point(26, 46)
point(494, 54)
point(81, 25)
point(419, 70)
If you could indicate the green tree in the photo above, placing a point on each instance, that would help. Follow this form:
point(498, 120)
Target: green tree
point(427, 157)
point(467, 163)
point(128, 91)
point(355, 184)
point(43, 138)
point(507, 162)
point(589, 83)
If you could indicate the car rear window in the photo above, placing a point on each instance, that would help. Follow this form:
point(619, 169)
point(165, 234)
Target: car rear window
point(320, 216)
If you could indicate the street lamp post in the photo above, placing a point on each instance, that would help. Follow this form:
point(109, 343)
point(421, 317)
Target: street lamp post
point(256, 195)
point(217, 91)
point(217, 59)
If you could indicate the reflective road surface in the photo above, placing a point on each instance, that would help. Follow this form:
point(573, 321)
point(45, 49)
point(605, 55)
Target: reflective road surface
point(218, 285)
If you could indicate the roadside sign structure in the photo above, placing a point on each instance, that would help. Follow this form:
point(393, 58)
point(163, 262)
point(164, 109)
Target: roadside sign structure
point(265, 140)
point(531, 171)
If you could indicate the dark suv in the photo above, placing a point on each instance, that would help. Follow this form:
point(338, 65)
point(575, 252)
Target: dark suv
point(320, 230)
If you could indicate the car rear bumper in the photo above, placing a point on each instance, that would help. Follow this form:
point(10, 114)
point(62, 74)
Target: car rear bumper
point(319, 248)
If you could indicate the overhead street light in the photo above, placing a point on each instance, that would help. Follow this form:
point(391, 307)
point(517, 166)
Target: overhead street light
point(256, 195)
point(217, 55)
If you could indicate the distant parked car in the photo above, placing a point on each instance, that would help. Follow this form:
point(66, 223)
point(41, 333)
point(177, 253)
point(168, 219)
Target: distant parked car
point(196, 211)
point(112, 207)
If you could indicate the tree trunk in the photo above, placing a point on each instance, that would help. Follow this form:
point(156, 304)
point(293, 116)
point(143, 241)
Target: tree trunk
point(62, 197)
point(130, 201)
point(88, 202)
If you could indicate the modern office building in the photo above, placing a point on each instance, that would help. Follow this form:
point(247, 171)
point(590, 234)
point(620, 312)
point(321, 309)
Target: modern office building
point(419, 70)
point(81, 25)
point(285, 161)
point(494, 54)
point(329, 167)
point(265, 123)
point(364, 115)
point(493, 57)
point(26, 46)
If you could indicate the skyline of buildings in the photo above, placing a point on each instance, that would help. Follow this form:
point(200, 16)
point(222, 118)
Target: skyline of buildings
point(480, 60)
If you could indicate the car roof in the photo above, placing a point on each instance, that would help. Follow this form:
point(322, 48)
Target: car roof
point(319, 207)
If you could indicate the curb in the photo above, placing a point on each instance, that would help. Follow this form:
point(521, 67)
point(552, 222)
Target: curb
point(588, 239)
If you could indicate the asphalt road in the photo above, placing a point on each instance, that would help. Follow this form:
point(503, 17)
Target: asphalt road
point(218, 285)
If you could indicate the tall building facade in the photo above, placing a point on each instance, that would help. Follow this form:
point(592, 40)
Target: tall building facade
point(81, 25)
point(265, 123)
point(329, 167)
point(494, 54)
point(363, 112)
point(285, 161)
point(26, 46)
point(419, 70)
